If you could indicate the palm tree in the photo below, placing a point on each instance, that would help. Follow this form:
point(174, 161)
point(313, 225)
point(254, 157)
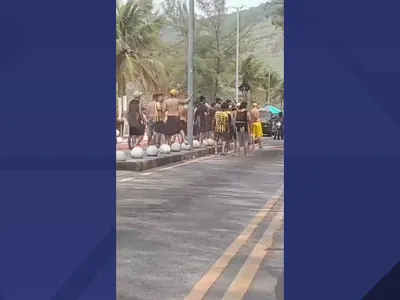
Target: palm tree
point(252, 72)
point(271, 81)
point(137, 31)
point(279, 93)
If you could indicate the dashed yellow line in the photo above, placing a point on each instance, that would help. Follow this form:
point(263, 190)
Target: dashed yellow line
point(205, 283)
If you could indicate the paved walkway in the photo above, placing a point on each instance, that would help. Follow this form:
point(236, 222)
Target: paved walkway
point(208, 229)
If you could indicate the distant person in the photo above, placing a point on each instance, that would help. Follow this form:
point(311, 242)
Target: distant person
point(151, 115)
point(281, 130)
point(256, 127)
point(210, 118)
point(201, 119)
point(232, 130)
point(171, 119)
point(218, 103)
point(136, 120)
point(183, 112)
point(242, 129)
point(230, 104)
point(222, 121)
point(159, 126)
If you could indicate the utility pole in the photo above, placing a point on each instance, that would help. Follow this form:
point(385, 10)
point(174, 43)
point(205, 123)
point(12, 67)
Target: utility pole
point(190, 58)
point(237, 52)
point(269, 86)
point(238, 8)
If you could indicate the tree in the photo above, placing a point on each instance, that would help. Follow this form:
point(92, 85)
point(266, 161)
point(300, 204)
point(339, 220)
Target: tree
point(252, 71)
point(177, 14)
point(216, 46)
point(275, 11)
point(278, 93)
point(137, 31)
point(271, 81)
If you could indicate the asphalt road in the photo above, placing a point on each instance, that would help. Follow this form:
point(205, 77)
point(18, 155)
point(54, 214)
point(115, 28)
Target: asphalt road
point(208, 229)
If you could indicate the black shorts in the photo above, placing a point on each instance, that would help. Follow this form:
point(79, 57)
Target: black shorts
point(136, 130)
point(223, 136)
point(172, 126)
point(184, 126)
point(159, 127)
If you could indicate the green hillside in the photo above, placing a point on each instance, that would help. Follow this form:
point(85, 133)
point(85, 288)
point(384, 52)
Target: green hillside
point(265, 39)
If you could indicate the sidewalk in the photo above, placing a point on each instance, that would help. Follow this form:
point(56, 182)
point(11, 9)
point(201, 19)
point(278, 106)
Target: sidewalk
point(141, 164)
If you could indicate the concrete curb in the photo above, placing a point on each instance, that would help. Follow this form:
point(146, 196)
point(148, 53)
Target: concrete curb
point(161, 160)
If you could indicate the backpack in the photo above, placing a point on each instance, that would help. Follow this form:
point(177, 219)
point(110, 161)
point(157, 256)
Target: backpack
point(221, 121)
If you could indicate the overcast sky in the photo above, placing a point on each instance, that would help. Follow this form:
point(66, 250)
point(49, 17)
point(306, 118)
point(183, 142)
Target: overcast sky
point(246, 4)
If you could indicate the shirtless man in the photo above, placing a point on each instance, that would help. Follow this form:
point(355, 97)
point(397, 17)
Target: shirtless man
point(183, 110)
point(159, 121)
point(256, 128)
point(171, 119)
point(151, 114)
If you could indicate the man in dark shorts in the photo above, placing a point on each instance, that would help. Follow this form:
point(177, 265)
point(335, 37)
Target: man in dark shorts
point(201, 118)
point(183, 111)
point(159, 121)
point(242, 129)
point(232, 131)
point(136, 120)
point(151, 114)
point(221, 122)
point(171, 109)
point(210, 119)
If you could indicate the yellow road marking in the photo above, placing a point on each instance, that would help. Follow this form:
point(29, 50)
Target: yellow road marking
point(205, 283)
point(246, 274)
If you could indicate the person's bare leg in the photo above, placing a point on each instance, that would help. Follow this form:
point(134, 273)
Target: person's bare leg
point(216, 147)
point(246, 149)
point(138, 140)
point(201, 137)
point(168, 137)
point(150, 138)
point(182, 133)
point(237, 146)
point(133, 141)
point(223, 151)
point(130, 142)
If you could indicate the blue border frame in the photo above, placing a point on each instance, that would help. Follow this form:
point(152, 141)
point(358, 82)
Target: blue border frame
point(341, 149)
point(57, 211)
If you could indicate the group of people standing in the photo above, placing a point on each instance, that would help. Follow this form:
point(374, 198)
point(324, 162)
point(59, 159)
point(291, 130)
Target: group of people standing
point(165, 116)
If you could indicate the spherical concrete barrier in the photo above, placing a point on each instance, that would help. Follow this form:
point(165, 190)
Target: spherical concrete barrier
point(210, 142)
point(205, 143)
point(196, 144)
point(119, 140)
point(176, 147)
point(117, 132)
point(152, 151)
point(185, 146)
point(137, 152)
point(121, 156)
point(164, 149)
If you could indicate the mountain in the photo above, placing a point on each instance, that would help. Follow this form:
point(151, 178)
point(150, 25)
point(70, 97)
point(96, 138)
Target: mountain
point(265, 38)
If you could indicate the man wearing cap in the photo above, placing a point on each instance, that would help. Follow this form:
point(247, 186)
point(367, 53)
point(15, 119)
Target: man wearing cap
point(136, 120)
point(172, 120)
point(256, 128)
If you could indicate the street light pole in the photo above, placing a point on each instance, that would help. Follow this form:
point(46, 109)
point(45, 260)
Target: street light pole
point(269, 86)
point(237, 52)
point(238, 8)
point(191, 87)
